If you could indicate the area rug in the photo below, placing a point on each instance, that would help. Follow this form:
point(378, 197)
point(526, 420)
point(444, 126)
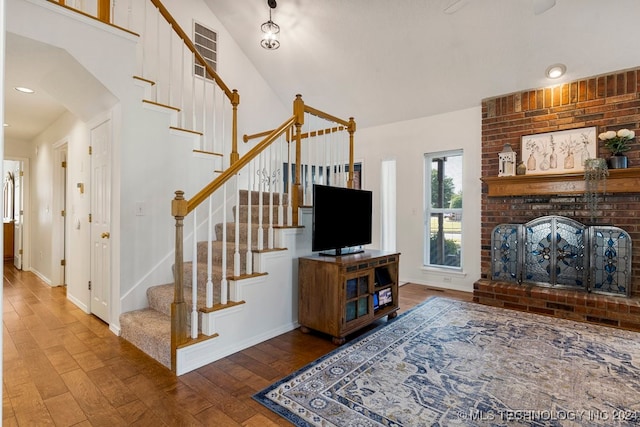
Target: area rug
point(453, 363)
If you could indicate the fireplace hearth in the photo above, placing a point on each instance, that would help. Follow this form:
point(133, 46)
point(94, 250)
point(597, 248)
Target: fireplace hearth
point(559, 267)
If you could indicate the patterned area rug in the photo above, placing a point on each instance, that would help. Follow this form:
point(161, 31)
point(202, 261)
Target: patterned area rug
point(452, 363)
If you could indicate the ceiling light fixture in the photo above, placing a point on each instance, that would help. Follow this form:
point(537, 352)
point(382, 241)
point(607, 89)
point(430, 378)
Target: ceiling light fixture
point(556, 71)
point(24, 89)
point(270, 31)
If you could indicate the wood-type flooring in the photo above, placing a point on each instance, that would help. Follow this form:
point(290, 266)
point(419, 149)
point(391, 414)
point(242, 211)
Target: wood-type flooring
point(64, 367)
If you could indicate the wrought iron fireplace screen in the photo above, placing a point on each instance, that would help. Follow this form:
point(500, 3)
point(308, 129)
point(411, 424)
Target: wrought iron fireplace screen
point(560, 252)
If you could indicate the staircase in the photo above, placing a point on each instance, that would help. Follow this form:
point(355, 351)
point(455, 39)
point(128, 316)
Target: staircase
point(241, 297)
point(149, 329)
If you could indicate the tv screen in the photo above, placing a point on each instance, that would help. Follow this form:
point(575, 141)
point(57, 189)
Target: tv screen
point(341, 218)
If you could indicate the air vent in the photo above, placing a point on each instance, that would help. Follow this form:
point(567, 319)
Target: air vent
point(206, 42)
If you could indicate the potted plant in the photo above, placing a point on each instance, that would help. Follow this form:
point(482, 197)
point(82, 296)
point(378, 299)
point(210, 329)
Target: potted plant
point(618, 143)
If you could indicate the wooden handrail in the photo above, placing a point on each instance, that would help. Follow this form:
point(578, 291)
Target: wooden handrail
point(326, 116)
point(234, 97)
point(202, 195)
point(319, 132)
point(61, 3)
point(247, 138)
point(187, 41)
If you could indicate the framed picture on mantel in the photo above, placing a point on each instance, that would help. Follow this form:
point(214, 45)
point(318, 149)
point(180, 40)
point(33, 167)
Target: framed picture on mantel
point(558, 152)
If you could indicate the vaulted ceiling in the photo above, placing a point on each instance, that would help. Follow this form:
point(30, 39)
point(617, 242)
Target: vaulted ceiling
point(388, 61)
point(379, 61)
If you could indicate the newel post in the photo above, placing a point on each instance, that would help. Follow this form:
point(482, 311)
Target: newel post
point(298, 112)
point(235, 100)
point(351, 129)
point(178, 307)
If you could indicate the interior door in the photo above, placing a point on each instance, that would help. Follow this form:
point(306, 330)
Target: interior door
point(59, 226)
point(101, 219)
point(18, 215)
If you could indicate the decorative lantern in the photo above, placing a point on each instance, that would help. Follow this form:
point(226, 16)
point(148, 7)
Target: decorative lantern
point(507, 161)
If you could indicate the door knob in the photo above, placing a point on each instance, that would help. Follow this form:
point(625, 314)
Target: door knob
point(105, 235)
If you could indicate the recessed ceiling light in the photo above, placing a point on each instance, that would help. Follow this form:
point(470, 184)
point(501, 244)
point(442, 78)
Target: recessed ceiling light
point(556, 71)
point(24, 89)
point(6, 124)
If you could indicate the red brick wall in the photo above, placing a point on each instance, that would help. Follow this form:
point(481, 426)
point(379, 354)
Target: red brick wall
point(609, 102)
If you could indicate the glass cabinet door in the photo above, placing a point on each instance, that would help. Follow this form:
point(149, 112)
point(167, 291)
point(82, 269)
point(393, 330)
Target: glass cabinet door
point(357, 298)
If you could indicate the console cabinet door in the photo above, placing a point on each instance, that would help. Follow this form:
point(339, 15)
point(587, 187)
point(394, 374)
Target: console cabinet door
point(358, 302)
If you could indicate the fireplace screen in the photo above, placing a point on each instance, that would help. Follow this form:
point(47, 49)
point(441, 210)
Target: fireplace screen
point(560, 252)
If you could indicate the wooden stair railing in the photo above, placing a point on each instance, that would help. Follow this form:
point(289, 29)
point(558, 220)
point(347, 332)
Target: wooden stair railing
point(232, 95)
point(103, 10)
point(291, 129)
point(289, 133)
point(348, 125)
point(181, 207)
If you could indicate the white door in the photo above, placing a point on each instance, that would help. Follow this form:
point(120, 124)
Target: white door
point(101, 219)
point(18, 215)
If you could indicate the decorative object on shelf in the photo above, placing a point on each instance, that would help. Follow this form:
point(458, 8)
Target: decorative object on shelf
point(618, 143)
point(507, 161)
point(521, 169)
point(558, 152)
point(595, 173)
point(270, 30)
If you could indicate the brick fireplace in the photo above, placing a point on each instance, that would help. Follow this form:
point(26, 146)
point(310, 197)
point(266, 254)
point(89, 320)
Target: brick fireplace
point(608, 102)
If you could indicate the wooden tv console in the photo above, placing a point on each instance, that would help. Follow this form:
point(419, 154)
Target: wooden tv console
point(338, 295)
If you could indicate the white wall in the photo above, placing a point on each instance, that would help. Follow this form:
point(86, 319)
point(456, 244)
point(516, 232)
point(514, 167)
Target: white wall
point(74, 132)
point(149, 163)
point(407, 142)
point(259, 108)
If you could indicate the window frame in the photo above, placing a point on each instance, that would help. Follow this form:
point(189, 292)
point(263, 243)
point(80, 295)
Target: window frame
point(429, 210)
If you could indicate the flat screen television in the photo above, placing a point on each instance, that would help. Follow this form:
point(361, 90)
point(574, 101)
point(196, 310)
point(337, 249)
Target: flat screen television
point(341, 219)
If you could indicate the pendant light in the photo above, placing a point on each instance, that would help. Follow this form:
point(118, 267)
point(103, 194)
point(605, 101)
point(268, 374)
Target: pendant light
point(270, 31)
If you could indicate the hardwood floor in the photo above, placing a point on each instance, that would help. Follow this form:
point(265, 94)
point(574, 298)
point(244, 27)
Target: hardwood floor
point(63, 367)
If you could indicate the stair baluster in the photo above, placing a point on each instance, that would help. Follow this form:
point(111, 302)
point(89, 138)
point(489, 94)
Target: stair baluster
point(223, 281)
point(194, 278)
point(236, 239)
point(260, 231)
point(210, 237)
point(250, 185)
point(280, 179)
point(271, 182)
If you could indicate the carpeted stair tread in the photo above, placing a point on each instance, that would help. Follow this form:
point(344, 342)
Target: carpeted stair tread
point(150, 331)
point(255, 213)
point(160, 297)
point(216, 253)
point(216, 274)
point(255, 197)
point(231, 229)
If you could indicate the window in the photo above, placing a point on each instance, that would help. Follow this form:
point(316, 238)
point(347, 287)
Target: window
point(206, 42)
point(388, 206)
point(443, 209)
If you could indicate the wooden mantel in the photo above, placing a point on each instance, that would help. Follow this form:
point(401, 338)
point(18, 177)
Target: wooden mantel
point(618, 181)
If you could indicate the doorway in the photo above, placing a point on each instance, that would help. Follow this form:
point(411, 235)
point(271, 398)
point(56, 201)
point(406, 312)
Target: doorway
point(15, 201)
point(100, 281)
point(60, 227)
